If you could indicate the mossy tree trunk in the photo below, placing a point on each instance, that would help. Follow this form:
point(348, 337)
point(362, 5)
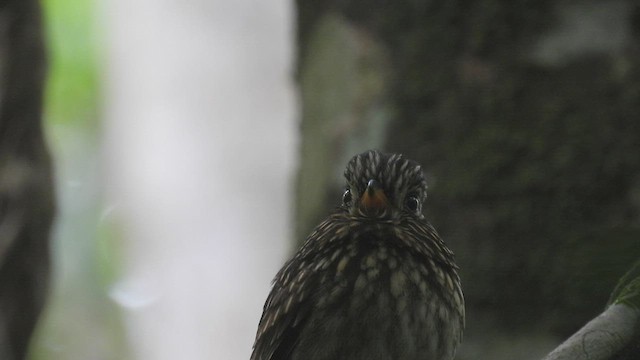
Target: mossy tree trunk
point(26, 192)
point(524, 115)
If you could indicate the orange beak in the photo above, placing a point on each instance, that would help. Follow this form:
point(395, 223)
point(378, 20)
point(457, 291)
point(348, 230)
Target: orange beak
point(374, 198)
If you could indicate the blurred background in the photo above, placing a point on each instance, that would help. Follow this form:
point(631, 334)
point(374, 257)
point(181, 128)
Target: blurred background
point(173, 136)
point(196, 143)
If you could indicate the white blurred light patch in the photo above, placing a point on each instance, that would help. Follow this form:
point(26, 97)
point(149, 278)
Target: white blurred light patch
point(199, 143)
point(132, 295)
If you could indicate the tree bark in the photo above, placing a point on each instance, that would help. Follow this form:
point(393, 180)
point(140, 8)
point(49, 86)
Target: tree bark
point(524, 117)
point(26, 192)
point(602, 338)
point(614, 334)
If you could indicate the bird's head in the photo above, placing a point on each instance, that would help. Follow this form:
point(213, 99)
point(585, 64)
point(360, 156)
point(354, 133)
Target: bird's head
point(384, 186)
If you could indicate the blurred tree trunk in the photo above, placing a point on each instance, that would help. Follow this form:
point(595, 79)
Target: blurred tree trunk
point(524, 115)
point(26, 194)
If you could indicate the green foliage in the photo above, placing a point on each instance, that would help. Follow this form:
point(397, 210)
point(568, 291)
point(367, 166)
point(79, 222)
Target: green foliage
point(628, 289)
point(80, 320)
point(72, 89)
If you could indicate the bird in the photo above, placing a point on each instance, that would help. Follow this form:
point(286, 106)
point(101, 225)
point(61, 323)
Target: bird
point(374, 280)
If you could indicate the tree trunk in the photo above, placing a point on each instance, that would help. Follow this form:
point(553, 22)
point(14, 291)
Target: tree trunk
point(26, 192)
point(524, 116)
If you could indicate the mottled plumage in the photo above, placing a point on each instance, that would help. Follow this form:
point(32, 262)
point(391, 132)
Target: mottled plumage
point(372, 281)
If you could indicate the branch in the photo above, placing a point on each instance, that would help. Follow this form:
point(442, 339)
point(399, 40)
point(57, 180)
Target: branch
point(614, 333)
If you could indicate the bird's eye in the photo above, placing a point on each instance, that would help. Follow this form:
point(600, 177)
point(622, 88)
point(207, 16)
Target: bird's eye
point(346, 197)
point(412, 203)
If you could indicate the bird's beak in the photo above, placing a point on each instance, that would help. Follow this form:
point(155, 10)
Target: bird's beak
point(374, 198)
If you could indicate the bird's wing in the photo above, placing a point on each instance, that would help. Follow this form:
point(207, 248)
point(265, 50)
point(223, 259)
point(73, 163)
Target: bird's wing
point(285, 312)
point(295, 292)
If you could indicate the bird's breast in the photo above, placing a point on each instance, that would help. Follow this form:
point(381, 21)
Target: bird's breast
point(380, 294)
point(371, 269)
